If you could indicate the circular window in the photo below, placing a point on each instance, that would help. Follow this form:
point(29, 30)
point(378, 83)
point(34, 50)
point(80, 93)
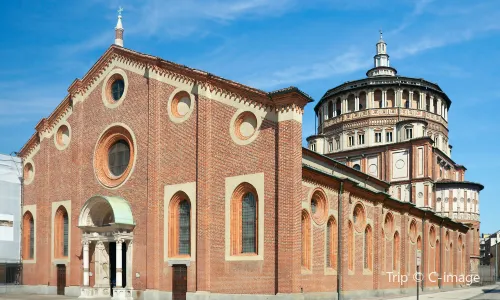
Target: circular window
point(180, 106)
point(62, 137)
point(118, 157)
point(455, 199)
point(446, 200)
point(117, 88)
point(114, 90)
point(462, 199)
point(357, 167)
point(114, 156)
point(319, 207)
point(245, 125)
point(29, 172)
point(358, 217)
point(468, 200)
point(438, 200)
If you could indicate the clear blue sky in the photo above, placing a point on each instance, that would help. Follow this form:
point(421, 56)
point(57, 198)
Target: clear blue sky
point(45, 45)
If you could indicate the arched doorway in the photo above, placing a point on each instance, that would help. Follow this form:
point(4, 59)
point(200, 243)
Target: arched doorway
point(107, 228)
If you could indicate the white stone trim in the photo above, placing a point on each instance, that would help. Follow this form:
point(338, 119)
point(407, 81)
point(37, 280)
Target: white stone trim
point(32, 209)
point(232, 129)
point(55, 206)
point(62, 147)
point(171, 116)
point(104, 92)
point(189, 189)
point(257, 181)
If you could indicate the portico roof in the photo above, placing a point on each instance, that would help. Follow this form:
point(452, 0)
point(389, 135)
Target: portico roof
point(122, 212)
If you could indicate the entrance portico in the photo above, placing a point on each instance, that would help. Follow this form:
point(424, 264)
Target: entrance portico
point(107, 225)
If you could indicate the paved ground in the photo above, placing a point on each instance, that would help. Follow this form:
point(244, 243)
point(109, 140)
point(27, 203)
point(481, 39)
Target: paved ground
point(476, 293)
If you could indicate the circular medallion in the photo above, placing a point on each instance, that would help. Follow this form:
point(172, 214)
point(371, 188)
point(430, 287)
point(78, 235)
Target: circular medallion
point(372, 169)
point(400, 164)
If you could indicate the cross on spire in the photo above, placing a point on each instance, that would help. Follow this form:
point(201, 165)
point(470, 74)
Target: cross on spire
point(120, 9)
point(380, 33)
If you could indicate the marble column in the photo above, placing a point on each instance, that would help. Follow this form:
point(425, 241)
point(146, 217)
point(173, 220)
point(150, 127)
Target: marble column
point(384, 99)
point(356, 103)
point(86, 262)
point(119, 242)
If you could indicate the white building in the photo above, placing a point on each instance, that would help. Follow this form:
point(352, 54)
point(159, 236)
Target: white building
point(10, 217)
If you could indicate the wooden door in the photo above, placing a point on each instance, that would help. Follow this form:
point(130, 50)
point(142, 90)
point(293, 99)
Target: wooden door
point(61, 279)
point(179, 282)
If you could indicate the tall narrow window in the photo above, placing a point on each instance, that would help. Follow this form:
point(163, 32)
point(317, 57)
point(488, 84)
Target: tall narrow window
point(249, 224)
point(337, 144)
point(388, 137)
point(378, 137)
point(244, 220)
point(306, 240)
point(61, 233)
point(409, 133)
point(368, 248)
point(331, 244)
point(351, 141)
point(361, 139)
point(65, 235)
point(350, 246)
point(330, 146)
point(179, 225)
point(28, 236)
point(32, 238)
point(330, 109)
point(184, 228)
point(395, 249)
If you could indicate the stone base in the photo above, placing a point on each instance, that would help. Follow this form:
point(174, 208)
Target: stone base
point(28, 289)
point(95, 292)
point(123, 293)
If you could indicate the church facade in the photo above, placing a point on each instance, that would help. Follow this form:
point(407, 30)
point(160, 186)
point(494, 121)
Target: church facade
point(152, 180)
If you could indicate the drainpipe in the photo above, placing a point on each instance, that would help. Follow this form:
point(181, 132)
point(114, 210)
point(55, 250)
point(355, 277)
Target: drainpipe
point(196, 105)
point(339, 241)
point(440, 253)
point(423, 249)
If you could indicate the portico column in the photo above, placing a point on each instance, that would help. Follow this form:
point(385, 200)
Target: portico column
point(356, 103)
point(384, 98)
point(410, 99)
point(86, 280)
point(119, 283)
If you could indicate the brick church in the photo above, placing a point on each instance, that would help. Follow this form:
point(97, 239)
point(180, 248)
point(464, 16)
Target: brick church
point(153, 180)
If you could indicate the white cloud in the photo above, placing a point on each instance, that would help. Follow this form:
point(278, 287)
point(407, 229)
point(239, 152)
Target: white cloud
point(346, 63)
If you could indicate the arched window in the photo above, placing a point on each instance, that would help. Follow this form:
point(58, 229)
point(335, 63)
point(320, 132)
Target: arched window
point(331, 243)
point(28, 236)
point(179, 225)
point(330, 109)
point(306, 240)
point(244, 220)
point(368, 248)
point(184, 227)
point(395, 250)
point(249, 224)
point(357, 167)
point(61, 233)
point(350, 246)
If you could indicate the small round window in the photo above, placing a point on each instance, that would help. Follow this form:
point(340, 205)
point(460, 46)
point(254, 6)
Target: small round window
point(117, 89)
point(357, 167)
point(319, 207)
point(118, 157)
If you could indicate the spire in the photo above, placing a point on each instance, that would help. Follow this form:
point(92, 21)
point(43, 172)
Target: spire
point(119, 29)
point(381, 66)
